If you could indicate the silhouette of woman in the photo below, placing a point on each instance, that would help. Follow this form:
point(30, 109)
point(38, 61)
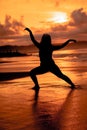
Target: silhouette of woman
point(46, 62)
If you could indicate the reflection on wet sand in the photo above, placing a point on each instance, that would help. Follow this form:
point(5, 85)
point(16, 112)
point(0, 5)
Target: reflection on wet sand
point(61, 117)
point(45, 119)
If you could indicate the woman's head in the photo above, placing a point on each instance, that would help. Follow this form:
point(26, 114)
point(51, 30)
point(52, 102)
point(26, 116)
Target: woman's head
point(46, 39)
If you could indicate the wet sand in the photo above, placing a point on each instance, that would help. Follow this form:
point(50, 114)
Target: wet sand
point(54, 107)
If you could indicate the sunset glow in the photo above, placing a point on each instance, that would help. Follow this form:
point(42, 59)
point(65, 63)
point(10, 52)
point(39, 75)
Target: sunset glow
point(59, 17)
point(64, 18)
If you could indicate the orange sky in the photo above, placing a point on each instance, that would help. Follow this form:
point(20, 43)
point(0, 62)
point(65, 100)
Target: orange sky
point(62, 19)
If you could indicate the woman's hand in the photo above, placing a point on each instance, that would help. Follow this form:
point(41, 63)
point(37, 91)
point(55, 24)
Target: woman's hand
point(27, 29)
point(72, 40)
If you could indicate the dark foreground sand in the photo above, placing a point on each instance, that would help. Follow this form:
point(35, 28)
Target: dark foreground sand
point(54, 107)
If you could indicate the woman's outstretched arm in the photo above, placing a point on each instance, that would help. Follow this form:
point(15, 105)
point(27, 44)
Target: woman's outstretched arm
point(32, 38)
point(63, 45)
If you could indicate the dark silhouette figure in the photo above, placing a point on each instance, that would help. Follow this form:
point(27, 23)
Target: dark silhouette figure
point(46, 62)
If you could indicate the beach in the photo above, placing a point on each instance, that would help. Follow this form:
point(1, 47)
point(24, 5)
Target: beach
point(55, 106)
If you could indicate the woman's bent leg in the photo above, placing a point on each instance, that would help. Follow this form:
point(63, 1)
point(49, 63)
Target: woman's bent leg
point(34, 72)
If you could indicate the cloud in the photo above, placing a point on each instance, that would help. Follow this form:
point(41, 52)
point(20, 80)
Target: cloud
point(11, 31)
point(79, 21)
point(79, 17)
point(75, 28)
point(11, 26)
point(59, 27)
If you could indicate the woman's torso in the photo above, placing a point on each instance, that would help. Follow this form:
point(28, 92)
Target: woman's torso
point(45, 54)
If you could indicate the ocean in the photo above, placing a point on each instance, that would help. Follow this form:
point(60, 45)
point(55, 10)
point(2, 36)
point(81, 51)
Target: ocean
point(73, 58)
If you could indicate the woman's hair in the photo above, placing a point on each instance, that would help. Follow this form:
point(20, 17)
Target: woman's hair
point(46, 39)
